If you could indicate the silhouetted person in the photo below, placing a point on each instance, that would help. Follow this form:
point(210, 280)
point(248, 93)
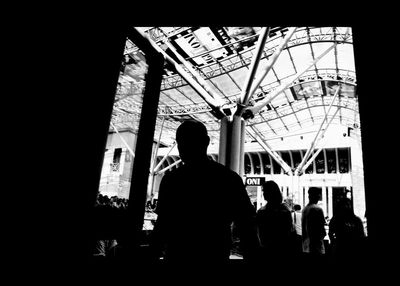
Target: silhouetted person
point(275, 226)
point(313, 227)
point(346, 232)
point(298, 246)
point(215, 196)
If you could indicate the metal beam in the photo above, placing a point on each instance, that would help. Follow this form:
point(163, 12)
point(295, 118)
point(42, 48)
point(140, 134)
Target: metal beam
point(123, 140)
point(168, 167)
point(273, 154)
point(245, 94)
point(214, 104)
point(272, 60)
point(199, 79)
point(320, 149)
point(278, 91)
point(164, 158)
point(158, 142)
point(316, 135)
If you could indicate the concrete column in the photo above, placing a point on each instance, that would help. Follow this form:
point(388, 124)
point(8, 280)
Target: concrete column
point(357, 177)
point(296, 190)
point(324, 200)
point(235, 140)
point(223, 136)
point(241, 153)
point(330, 202)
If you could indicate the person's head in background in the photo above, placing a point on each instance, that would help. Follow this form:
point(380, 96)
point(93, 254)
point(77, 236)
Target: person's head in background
point(272, 193)
point(314, 194)
point(192, 140)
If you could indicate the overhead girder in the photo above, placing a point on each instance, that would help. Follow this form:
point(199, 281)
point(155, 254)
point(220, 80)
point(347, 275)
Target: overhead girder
point(301, 105)
point(198, 78)
point(215, 103)
point(271, 61)
point(274, 155)
point(204, 107)
point(312, 145)
point(271, 96)
point(245, 95)
point(237, 61)
point(316, 35)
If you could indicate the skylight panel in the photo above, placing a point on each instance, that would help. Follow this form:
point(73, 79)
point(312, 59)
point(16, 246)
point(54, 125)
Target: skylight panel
point(225, 83)
point(327, 61)
point(283, 65)
point(301, 56)
point(346, 57)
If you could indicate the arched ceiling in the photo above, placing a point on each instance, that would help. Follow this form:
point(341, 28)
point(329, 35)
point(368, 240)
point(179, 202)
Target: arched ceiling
point(222, 57)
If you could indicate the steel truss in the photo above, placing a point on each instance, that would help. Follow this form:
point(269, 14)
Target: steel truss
point(303, 104)
point(242, 59)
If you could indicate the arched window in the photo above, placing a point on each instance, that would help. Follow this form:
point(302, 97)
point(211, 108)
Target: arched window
point(286, 157)
point(320, 163)
point(343, 154)
point(266, 160)
point(276, 167)
point(256, 163)
point(296, 158)
point(310, 169)
point(247, 164)
point(331, 160)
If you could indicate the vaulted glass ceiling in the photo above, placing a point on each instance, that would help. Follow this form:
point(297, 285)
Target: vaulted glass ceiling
point(222, 57)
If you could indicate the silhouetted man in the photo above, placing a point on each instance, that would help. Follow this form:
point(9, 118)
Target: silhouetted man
point(197, 204)
point(313, 226)
point(275, 225)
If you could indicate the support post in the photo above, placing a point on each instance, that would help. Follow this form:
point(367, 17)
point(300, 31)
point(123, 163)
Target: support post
point(223, 144)
point(241, 154)
point(245, 95)
point(153, 161)
point(235, 140)
point(144, 143)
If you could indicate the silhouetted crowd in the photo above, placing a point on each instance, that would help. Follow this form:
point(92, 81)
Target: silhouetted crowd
point(220, 219)
point(113, 202)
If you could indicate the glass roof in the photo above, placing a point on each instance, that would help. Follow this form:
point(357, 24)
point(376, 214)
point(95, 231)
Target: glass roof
point(222, 57)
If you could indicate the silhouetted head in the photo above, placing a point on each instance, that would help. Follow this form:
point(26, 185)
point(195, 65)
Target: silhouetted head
point(296, 207)
point(192, 140)
point(272, 193)
point(314, 194)
point(344, 208)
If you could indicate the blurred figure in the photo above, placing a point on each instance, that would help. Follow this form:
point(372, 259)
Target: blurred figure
point(298, 247)
point(275, 226)
point(313, 227)
point(215, 196)
point(346, 233)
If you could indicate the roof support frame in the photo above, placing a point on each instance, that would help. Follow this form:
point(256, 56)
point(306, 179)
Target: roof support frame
point(214, 103)
point(168, 167)
point(164, 158)
point(267, 148)
point(320, 149)
point(245, 94)
point(278, 91)
point(310, 149)
point(272, 60)
point(195, 74)
point(123, 140)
